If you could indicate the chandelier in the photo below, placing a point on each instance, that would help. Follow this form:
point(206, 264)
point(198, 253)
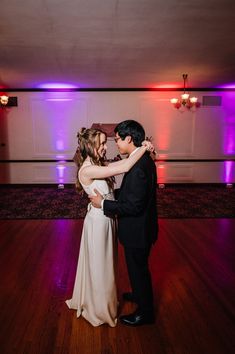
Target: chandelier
point(185, 101)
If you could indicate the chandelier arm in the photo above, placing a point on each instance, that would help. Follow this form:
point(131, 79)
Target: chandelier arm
point(185, 78)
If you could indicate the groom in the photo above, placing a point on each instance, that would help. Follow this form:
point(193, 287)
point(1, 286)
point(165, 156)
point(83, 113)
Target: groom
point(136, 210)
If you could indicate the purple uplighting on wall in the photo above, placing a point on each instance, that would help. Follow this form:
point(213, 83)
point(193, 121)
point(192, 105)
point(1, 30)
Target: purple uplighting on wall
point(60, 145)
point(60, 172)
point(59, 99)
point(229, 136)
point(58, 108)
point(57, 85)
point(228, 86)
point(228, 171)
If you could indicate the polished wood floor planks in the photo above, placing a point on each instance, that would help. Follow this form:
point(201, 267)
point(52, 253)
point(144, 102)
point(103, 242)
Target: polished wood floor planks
point(193, 269)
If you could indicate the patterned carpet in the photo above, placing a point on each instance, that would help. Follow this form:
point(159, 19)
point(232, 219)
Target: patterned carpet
point(182, 201)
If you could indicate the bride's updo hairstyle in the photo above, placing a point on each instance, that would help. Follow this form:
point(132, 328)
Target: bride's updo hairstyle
point(88, 145)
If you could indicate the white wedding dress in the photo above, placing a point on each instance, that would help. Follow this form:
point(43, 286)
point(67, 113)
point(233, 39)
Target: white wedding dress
point(94, 294)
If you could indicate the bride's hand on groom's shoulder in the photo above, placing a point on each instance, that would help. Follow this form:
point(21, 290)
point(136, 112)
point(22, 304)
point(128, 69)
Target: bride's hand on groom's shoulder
point(148, 144)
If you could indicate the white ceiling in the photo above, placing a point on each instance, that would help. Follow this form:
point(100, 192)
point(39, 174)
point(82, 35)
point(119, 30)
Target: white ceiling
point(117, 43)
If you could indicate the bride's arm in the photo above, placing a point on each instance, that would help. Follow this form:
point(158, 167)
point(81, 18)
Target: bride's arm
point(116, 163)
point(113, 169)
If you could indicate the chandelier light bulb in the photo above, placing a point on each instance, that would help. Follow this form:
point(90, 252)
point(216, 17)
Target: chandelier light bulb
point(185, 96)
point(193, 99)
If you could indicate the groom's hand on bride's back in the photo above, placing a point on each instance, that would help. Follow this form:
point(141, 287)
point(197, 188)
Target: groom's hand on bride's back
point(96, 199)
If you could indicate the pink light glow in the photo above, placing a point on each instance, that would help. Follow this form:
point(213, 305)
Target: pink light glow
point(164, 140)
point(167, 86)
point(161, 173)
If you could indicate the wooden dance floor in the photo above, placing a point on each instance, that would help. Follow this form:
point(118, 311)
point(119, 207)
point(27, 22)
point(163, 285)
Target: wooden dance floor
point(193, 269)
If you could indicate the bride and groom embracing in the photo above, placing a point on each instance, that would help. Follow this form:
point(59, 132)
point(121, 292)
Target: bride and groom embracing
point(94, 294)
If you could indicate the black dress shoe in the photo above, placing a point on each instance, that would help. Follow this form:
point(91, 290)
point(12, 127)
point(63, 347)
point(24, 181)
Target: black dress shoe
point(137, 319)
point(128, 297)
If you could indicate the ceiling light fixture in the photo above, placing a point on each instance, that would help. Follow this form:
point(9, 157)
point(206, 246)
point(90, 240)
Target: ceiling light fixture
point(185, 101)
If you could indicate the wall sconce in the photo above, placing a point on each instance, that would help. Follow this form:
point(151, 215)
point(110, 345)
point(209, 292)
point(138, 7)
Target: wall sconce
point(6, 101)
point(185, 101)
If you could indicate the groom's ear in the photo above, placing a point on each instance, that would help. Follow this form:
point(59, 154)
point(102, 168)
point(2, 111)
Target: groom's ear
point(128, 139)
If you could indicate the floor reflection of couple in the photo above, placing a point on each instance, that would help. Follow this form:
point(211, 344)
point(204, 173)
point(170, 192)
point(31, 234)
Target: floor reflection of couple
point(94, 295)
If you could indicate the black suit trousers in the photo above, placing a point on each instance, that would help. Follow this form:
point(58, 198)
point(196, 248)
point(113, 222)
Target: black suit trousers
point(139, 276)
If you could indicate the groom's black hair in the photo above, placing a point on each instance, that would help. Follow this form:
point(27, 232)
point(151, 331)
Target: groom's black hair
point(131, 128)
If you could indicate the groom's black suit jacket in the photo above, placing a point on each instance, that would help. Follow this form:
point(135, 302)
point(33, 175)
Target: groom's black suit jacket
point(136, 206)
